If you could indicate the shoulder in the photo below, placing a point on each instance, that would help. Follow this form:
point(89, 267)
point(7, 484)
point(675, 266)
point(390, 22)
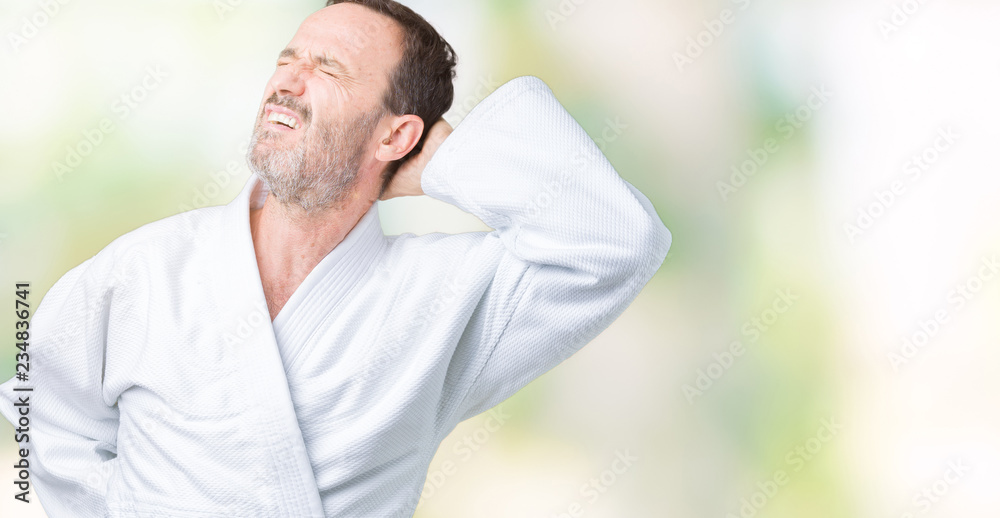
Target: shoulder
point(192, 226)
point(159, 238)
point(88, 287)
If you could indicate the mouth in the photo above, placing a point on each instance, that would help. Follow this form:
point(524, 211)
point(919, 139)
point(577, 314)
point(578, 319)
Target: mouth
point(279, 117)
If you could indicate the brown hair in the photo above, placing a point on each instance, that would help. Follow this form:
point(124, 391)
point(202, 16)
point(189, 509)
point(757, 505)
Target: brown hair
point(421, 84)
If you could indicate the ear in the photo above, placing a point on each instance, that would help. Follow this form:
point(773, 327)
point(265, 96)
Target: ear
point(404, 133)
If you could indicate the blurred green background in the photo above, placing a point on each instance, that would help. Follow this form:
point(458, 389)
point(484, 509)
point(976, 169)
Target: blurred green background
point(764, 371)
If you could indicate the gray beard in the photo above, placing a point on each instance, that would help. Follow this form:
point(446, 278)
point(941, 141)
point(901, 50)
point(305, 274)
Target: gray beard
point(320, 172)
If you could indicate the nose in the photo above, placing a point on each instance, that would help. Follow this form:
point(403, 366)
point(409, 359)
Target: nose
point(287, 80)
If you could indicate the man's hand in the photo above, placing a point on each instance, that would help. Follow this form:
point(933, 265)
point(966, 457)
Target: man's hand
point(407, 179)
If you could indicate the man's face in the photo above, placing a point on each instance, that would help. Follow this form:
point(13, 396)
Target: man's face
point(315, 130)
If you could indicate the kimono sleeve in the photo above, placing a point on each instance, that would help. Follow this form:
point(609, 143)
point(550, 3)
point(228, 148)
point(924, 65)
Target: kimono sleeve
point(71, 432)
point(582, 241)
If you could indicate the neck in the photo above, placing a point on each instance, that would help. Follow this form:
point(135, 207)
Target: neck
point(282, 231)
point(290, 242)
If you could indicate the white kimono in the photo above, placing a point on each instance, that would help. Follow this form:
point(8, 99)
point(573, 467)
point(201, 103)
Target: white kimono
point(162, 388)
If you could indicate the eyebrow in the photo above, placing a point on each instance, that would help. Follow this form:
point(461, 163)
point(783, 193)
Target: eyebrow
point(324, 60)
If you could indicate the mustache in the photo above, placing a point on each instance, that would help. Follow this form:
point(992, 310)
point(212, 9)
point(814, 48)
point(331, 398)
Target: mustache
point(303, 110)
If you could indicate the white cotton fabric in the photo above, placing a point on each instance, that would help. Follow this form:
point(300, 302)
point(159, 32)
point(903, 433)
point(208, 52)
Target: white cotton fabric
point(161, 388)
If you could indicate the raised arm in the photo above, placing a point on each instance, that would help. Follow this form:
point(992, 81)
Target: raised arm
point(580, 242)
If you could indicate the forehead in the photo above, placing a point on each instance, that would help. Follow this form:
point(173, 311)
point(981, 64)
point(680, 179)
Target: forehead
point(365, 42)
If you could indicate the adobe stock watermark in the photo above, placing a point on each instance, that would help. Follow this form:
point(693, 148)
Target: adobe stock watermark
point(118, 275)
point(795, 460)
point(752, 330)
point(464, 448)
point(152, 420)
point(563, 11)
point(912, 172)
point(92, 138)
point(57, 340)
point(240, 328)
point(33, 24)
point(369, 34)
point(902, 13)
point(787, 127)
point(714, 28)
point(594, 488)
point(246, 325)
point(610, 133)
point(933, 493)
point(223, 8)
point(218, 181)
point(591, 328)
point(381, 357)
point(484, 88)
point(955, 301)
point(95, 484)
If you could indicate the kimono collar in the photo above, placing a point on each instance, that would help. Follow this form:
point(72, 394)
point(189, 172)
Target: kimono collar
point(329, 282)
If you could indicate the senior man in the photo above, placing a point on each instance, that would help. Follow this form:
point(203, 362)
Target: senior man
point(279, 356)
